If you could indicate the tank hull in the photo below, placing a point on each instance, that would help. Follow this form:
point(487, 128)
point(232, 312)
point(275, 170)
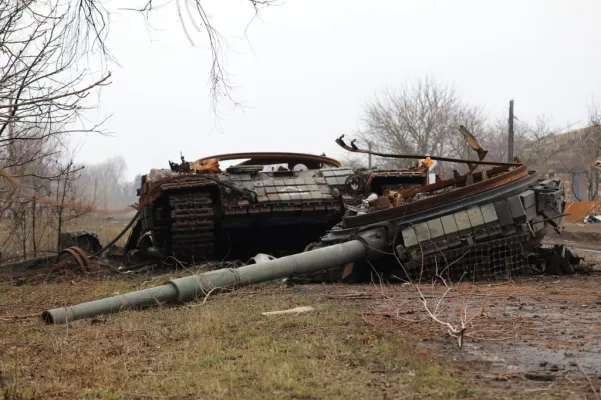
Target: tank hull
point(196, 216)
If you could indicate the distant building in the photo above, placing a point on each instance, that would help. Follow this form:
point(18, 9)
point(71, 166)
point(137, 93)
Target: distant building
point(569, 156)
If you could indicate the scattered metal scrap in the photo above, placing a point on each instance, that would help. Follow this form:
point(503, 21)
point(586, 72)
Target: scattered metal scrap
point(556, 260)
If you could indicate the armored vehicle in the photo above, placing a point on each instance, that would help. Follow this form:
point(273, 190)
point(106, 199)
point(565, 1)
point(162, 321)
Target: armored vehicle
point(275, 203)
point(486, 224)
point(479, 225)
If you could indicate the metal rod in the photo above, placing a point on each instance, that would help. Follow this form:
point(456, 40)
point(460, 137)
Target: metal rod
point(192, 287)
point(355, 149)
point(112, 242)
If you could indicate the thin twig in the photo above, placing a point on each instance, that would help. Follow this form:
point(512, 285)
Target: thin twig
point(583, 372)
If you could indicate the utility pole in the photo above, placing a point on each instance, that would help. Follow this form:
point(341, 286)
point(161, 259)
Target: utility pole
point(510, 138)
point(369, 147)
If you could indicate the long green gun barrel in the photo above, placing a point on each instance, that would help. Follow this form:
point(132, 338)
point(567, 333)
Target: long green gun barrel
point(195, 286)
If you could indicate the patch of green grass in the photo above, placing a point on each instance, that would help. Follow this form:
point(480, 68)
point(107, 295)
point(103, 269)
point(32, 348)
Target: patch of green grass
point(224, 349)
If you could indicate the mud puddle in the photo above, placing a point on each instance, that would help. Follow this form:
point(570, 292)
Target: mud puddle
point(556, 337)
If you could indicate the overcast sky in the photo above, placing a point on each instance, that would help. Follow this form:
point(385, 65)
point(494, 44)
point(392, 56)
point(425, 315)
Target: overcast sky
point(307, 67)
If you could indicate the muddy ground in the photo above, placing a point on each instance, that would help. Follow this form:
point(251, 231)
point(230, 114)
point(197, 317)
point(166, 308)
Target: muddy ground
point(527, 335)
point(534, 334)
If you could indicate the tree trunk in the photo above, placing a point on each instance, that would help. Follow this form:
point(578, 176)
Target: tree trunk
point(593, 184)
point(33, 230)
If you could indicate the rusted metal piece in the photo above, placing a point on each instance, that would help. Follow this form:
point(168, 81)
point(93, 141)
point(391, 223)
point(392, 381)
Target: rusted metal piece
point(78, 255)
point(353, 148)
point(193, 208)
point(211, 164)
point(65, 260)
point(88, 241)
point(279, 158)
point(437, 199)
point(457, 180)
point(471, 140)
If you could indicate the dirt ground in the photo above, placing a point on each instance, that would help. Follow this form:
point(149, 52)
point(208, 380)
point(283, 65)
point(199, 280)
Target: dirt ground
point(527, 338)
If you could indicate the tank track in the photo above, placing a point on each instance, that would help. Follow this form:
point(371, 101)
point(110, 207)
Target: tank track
point(192, 226)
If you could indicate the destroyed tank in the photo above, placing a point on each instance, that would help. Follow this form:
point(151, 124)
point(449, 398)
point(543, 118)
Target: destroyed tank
point(275, 203)
point(482, 224)
point(477, 225)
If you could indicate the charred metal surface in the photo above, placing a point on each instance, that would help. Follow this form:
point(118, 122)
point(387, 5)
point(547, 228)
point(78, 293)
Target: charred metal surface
point(69, 260)
point(87, 241)
point(482, 224)
point(436, 194)
point(192, 227)
point(486, 235)
point(197, 210)
point(556, 260)
point(473, 142)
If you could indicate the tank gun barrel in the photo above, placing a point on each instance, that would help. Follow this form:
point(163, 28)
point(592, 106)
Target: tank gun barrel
point(192, 287)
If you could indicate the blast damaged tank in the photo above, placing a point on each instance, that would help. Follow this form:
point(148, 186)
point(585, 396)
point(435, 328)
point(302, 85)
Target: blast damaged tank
point(485, 223)
point(387, 225)
point(274, 203)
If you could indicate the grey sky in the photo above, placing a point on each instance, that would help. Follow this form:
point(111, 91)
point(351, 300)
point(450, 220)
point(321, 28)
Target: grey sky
point(313, 64)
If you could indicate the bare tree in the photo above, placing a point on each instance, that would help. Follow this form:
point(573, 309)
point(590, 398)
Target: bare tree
point(43, 91)
point(422, 118)
point(495, 139)
point(590, 147)
point(194, 17)
point(70, 204)
point(553, 151)
point(42, 43)
point(39, 86)
point(41, 96)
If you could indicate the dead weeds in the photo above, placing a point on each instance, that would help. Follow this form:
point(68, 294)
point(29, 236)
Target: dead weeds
point(222, 349)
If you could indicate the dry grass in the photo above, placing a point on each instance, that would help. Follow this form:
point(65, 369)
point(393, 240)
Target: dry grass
point(11, 239)
point(220, 350)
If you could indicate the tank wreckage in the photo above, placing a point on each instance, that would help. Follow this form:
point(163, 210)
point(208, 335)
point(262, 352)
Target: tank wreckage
point(403, 224)
point(284, 203)
point(275, 203)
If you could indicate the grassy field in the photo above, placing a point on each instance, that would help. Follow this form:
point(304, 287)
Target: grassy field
point(222, 349)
